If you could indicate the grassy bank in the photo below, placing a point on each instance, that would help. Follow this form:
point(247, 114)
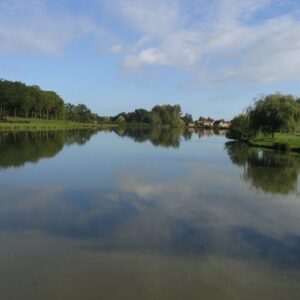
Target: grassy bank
point(22, 124)
point(281, 141)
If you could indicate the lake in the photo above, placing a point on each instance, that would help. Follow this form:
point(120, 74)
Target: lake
point(146, 214)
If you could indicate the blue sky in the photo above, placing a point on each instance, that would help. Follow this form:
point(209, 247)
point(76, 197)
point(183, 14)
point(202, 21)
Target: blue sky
point(213, 57)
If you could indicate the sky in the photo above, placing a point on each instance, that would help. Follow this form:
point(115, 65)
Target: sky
point(213, 57)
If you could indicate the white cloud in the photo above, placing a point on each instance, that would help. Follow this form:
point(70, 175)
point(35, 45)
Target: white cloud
point(265, 213)
point(217, 40)
point(154, 18)
point(33, 27)
point(146, 57)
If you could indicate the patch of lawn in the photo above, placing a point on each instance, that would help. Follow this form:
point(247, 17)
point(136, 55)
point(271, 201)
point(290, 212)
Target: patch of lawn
point(290, 141)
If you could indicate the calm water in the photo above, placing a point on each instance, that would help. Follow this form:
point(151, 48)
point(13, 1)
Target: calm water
point(146, 214)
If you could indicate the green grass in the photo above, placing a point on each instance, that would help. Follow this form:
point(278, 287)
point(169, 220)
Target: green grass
point(291, 140)
point(23, 124)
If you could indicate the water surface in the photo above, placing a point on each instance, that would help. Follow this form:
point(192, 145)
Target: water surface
point(146, 214)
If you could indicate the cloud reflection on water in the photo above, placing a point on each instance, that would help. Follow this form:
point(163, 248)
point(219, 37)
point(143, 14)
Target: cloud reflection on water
point(194, 215)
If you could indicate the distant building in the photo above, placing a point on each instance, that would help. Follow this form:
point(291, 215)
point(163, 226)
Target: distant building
point(222, 124)
point(206, 123)
point(225, 124)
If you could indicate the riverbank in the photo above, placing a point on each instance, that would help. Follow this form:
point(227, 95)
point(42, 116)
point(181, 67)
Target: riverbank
point(23, 124)
point(281, 141)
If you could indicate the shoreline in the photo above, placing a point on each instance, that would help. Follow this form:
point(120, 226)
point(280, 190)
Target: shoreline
point(257, 145)
point(48, 125)
point(281, 142)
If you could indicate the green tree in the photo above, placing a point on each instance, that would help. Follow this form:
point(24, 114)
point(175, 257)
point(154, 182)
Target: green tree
point(169, 115)
point(187, 118)
point(121, 120)
point(239, 128)
point(19, 100)
point(273, 113)
point(155, 119)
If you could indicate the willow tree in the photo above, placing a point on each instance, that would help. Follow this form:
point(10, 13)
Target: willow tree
point(273, 113)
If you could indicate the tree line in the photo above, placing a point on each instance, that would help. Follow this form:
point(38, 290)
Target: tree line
point(269, 114)
point(165, 138)
point(159, 115)
point(20, 100)
point(80, 113)
point(162, 115)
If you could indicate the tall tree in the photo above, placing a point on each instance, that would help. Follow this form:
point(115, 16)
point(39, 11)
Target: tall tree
point(274, 113)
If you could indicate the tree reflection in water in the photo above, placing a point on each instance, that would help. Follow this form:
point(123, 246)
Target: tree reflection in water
point(163, 137)
point(16, 149)
point(270, 171)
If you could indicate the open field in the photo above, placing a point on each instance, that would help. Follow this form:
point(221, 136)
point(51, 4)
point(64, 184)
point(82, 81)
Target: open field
point(23, 124)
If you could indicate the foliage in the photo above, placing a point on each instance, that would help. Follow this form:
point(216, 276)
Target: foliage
point(187, 118)
point(79, 113)
point(17, 99)
point(121, 120)
point(20, 100)
point(269, 114)
point(239, 128)
point(160, 115)
point(201, 119)
point(273, 113)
